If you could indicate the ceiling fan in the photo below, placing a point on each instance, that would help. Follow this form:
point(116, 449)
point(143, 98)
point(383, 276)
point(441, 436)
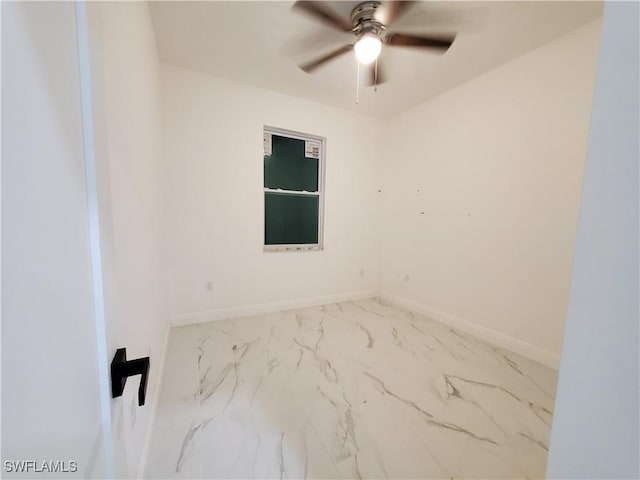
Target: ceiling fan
point(369, 22)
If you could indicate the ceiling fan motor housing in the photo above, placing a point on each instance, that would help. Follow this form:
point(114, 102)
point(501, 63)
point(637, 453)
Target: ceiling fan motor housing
point(364, 21)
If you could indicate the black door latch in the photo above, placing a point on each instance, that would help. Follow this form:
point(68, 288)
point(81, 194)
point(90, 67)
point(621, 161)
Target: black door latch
point(121, 369)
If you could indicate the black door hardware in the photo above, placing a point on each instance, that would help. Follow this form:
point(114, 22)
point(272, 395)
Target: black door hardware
point(121, 369)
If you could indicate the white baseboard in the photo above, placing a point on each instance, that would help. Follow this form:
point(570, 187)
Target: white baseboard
point(142, 466)
point(259, 309)
point(494, 337)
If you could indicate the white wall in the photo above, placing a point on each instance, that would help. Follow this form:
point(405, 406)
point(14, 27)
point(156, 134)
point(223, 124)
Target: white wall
point(213, 151)
point(595, 426)
point(50, 387)
point(128, 119)
point(481, 191)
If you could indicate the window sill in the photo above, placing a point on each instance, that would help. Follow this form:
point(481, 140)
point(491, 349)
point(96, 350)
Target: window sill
point(292, 248)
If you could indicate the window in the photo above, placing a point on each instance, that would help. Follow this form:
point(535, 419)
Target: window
point(293, 190)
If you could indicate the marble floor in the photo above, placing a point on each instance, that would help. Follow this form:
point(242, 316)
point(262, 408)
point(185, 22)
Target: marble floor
point(360, 389)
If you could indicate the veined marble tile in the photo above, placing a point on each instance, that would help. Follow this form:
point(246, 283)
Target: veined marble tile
point(359, 389)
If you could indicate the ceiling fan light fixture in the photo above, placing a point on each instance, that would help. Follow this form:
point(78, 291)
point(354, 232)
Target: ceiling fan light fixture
point(368, 48)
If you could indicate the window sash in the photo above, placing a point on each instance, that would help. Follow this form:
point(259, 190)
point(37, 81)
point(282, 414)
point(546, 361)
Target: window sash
point(279, 191)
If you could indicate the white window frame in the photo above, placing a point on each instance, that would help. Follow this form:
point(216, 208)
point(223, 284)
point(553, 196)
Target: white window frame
point(281, 132)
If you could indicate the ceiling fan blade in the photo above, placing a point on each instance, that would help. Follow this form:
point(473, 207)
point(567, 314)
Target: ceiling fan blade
point(372, 77)
point(317, 10)
point(391, 10)
point(312, 65)
point(441, 42)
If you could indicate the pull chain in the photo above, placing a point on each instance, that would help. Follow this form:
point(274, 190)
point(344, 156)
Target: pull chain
point(375, 77)
point(357, 82)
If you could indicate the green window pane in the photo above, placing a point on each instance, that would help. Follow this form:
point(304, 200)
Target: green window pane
point(290, 219)
point(287, 168)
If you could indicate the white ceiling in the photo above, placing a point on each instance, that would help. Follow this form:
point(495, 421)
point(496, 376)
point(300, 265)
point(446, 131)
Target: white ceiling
point(261, 43)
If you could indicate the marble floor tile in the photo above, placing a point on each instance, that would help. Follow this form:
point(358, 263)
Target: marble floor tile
point(360, 389)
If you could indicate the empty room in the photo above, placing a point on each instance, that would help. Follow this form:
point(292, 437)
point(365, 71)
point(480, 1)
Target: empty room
point(324, 240)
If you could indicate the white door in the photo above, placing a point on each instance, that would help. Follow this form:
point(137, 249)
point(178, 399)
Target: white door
point(54, 392)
